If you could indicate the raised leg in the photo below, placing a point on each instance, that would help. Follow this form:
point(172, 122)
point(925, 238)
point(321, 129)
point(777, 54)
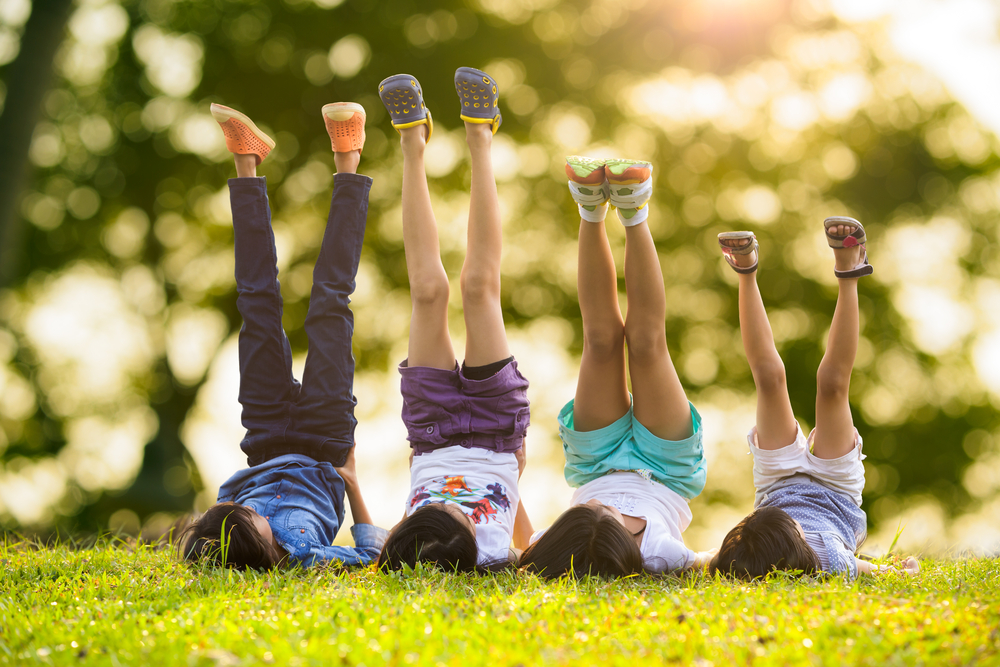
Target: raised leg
point(325, 407)
point(835, 434)
point(776, 426)
point(430, 340)
point(267, 387)
point(660, 403)
point(486, 337)
point(601, 391)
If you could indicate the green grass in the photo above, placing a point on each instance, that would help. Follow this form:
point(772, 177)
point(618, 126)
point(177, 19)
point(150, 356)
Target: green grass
point(135, 606)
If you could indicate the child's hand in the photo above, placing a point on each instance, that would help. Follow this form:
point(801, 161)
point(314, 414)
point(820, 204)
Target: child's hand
point(347, 472)
point(911, 566)
point(702, 559)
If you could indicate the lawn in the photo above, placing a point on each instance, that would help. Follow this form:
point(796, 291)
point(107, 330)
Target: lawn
point(121, 605)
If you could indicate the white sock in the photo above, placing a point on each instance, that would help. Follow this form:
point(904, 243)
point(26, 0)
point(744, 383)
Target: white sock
point(597, 215)
point(640, 215)
point(589, 197)
point(633, 198)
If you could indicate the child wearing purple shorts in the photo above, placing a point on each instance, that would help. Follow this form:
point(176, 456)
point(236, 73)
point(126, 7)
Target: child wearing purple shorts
point(465, 424)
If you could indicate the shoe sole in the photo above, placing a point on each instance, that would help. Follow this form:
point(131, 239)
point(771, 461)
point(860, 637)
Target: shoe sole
point(341, 111)
point(627, 172)
point(223, 113)
point(585, 170)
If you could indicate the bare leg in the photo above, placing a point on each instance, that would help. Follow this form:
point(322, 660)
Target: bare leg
point(776, 425)
point(430, 341)
point(660, 402)
point(347, 163)
point(246, 165)
point(486, 338)
point(834, 423)
point(601, 392)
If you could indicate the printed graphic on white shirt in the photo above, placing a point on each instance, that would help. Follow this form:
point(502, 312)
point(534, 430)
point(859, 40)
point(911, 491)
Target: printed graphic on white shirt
point(482, 483)
point(484, 503)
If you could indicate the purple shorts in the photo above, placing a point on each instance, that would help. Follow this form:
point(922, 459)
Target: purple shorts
point(443, 408)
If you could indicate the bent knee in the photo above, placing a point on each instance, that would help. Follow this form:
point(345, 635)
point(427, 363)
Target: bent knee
point(604, 342)
point(646, 343)
point(770, 377)
point(832, 384)
point(430, 291)
point(480, 286)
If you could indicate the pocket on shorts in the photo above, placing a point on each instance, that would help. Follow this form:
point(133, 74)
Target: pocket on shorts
point(522, 419)
point(426, 432)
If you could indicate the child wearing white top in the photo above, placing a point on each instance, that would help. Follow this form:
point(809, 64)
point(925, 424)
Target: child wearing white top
point(465, 423)
point(637, 458)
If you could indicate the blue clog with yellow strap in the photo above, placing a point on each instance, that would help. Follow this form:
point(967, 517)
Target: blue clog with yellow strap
point(479, 96)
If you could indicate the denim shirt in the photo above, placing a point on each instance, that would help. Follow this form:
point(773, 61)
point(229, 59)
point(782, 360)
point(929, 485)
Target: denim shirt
point(303, 501)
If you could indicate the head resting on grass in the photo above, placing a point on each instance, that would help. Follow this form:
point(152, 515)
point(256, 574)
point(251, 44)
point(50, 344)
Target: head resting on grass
point(766, 540)
point(437, 534)
point(231, 535)
point(585, 539)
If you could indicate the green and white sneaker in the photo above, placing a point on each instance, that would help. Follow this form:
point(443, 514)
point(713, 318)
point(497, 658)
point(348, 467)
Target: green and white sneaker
point(630, 183)
point(589, 187)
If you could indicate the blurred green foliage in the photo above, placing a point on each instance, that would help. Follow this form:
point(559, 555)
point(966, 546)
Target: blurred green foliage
point(747, 114)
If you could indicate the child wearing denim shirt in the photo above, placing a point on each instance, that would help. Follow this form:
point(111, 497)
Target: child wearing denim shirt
point(288, 506)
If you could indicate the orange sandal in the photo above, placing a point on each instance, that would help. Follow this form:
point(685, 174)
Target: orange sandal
point(345, 123)
point(242, 136)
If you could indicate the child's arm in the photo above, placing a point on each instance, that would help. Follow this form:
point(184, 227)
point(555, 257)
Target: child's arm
point(911, 566)
point(359, 510)
point(702, 559)
point(522, 528)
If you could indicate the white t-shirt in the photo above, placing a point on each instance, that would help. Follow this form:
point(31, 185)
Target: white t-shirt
point(482, 483)
point(666, 513)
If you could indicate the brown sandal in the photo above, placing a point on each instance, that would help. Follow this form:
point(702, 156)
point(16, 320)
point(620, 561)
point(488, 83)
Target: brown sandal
point(728, 251)
point(857, 237)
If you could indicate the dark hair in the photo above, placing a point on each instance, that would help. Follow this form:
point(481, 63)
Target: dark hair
point(766, 540)
point(432, 535)
point(584, 540)
point(243, 546)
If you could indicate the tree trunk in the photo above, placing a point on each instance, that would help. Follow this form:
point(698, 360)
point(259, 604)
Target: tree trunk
point(27, 80)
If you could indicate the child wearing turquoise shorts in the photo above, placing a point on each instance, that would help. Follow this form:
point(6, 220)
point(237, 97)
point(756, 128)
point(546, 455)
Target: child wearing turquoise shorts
point(636, 459)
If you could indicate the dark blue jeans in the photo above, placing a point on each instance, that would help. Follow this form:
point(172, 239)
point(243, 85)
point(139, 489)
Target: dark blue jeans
point(282, 416)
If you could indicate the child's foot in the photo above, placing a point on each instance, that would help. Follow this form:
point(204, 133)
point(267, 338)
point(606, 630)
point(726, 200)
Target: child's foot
point(479, 97)
point(413, 138)
point(345, 123)
point(404, 100)
point(740, 250)
point(847, 238)
point(242, 136)
point(589, 187)
point(478, 135)
point(631, 186)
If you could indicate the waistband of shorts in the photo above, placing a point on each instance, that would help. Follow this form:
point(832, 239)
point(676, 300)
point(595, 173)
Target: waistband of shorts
point(627, 422)
point(505, 374)
point(472, 441)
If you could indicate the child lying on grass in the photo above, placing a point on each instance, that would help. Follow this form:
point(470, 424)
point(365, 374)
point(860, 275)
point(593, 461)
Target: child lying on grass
point(637, 457)
point(465, 423)
point(289, 504)
point(807, 514)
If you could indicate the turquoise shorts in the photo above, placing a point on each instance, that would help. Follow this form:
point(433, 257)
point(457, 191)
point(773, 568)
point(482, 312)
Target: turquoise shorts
point(628, 445)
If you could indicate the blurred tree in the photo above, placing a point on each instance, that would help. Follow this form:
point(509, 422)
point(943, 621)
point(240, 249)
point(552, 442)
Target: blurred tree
point(27, 80)
point(770, 116)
